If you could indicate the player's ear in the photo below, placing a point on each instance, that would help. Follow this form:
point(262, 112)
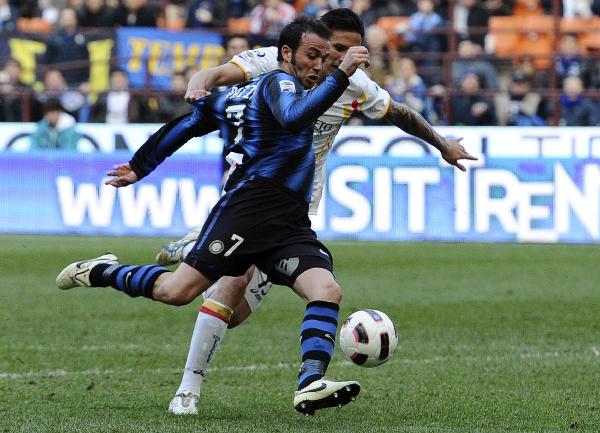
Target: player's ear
point(286, 53)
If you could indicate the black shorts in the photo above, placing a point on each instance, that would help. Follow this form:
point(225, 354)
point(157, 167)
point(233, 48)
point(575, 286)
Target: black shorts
point(259, 223)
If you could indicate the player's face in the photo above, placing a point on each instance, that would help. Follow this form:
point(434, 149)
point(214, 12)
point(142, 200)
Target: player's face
point(340, 41)
point(307, 62)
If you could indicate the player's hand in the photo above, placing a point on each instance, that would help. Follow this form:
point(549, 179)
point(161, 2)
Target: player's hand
point(455, 151)
point(194, 95)
point(197, 87)
point(123, 175)
point(355, 56)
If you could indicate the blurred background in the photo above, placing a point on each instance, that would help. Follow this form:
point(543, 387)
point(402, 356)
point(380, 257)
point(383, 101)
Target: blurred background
point(84, 82)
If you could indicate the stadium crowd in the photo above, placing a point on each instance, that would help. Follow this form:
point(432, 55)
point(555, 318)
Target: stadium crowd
point(445, 59)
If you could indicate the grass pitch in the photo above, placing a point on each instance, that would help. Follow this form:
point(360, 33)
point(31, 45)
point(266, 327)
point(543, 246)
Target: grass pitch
point(493, 338)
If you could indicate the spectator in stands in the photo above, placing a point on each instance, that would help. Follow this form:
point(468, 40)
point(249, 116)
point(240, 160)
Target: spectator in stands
point(173, 104)
point(207, 13)
point(136, 13)
point(235, 44)
point(576, 109)
point(577, 8)
point(316, 8)
point(406, 87)
point(55, 87)
point(269, 17)
point(56, 130)
point(470, 21)
point(376, 40)
point(363, 9)
point(113, 106)
point(520, 106)
point(422, 33)
point(11, 92)
point(67, 49)
point(571, 62)
point(499, 7)
point(29, 9)
point(96, 13)
point(471, 108)
point(8, 16)
point(469, 59)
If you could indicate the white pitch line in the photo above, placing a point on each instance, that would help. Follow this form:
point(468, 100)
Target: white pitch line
point(294, 366)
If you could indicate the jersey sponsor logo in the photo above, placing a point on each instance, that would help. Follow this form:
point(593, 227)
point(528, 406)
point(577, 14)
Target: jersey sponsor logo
point(216, 247)
point(322, 127)
point(287, 86)
point(288, 266)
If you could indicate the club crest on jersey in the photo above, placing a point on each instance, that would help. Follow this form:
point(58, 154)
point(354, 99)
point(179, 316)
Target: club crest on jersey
point(287, 86)
point(216, 247)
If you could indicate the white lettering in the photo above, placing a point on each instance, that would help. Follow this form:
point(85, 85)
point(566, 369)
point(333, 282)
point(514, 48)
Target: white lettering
point(528, 212)
point(382, 199)
point(144, 200)
point(74, 204)
point(196, 206)
point(416, 179)
point(584, 204)
point(358, 205)
point(487, 206)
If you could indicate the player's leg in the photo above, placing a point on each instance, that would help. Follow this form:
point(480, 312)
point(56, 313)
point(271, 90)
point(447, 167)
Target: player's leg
point(225, 306)
point(150, 281)
point(323, 295)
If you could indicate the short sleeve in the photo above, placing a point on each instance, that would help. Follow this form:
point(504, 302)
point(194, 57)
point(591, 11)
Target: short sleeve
point(256, 62)
point(376, 100)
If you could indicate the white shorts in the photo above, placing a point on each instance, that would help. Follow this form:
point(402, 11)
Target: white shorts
point(256, 290)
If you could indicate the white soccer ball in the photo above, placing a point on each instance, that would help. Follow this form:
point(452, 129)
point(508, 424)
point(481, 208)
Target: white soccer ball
point(368, 338)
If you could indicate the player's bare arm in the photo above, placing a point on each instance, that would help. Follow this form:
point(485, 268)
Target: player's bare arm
point(412, 122)
point(204, 81)
point(122, 175)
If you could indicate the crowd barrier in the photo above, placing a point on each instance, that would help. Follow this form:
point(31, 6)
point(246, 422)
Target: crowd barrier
point(529, 185)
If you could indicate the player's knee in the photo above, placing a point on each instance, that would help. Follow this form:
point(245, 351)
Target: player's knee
point(177, 294)
point(330, 291)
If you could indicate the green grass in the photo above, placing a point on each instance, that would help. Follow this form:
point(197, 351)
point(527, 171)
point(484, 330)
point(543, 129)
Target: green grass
point(493, 338)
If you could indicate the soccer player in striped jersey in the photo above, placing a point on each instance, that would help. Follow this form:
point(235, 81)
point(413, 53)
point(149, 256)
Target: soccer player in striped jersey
point(262, 218)
point(363, 95)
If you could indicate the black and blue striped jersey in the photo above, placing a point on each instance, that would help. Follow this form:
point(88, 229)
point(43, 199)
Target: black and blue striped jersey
point(267, 122)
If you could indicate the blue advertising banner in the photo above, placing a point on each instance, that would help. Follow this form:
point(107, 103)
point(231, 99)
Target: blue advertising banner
point(151, 56)
point(366, 198)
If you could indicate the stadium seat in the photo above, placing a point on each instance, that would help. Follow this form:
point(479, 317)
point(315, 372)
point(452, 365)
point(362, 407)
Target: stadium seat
point(587, 30)
point(238, 25)
point(504, 32)
point(389, 24)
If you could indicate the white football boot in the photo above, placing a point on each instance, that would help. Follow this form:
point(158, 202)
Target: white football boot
point(173, 252)
point(324, 393)
point(184, 403)
point(78, 274)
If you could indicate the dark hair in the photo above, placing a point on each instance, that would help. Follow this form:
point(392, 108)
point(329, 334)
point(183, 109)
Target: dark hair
point(343, 19)
point(293, 32)
point(228, 38)
point(52, 104)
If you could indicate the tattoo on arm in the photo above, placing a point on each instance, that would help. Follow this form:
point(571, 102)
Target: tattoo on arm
point(413, 123)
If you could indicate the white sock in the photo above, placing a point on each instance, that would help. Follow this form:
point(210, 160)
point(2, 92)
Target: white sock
point(209, 332)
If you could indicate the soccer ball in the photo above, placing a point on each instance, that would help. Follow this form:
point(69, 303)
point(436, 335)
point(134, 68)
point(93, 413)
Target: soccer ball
point(368, 338)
